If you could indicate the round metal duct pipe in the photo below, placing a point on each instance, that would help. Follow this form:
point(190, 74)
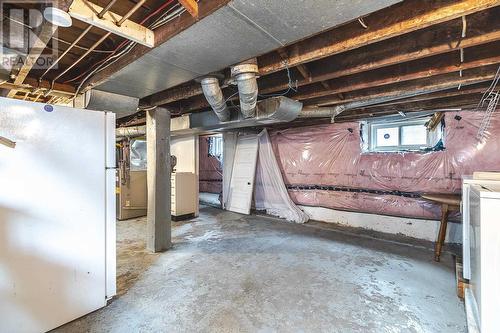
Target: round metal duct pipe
point(213, 94)
point(128, 132)
point(245, 75)
point(106, 101)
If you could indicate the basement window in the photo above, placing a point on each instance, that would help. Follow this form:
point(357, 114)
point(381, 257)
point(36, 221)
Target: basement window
point(384, 135)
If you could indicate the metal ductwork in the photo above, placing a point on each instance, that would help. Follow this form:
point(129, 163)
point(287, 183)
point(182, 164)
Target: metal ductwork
point(214, 96)
point(131, 131)
point(245, 76)
point(322, 112)
point(105, 101)
point(176, 124)
point(270, 111)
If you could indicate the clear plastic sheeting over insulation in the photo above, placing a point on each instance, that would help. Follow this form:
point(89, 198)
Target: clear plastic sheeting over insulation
point(138, 155)
point(210, 169)
point(324, 166)
point(271, 194)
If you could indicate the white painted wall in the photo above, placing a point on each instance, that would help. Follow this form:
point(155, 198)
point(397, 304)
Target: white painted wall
point(185, 149)
point(417, 228)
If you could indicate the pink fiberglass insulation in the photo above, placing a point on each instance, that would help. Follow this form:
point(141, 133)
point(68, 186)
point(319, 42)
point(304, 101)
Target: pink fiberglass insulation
point(330, 155)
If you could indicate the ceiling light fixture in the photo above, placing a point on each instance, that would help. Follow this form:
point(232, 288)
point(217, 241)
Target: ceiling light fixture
point(57, 17)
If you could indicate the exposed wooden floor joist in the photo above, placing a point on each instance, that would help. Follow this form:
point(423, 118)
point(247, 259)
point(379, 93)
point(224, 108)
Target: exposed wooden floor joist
point(466, 101)
point(399, 19)
point(398, 56)
point(443, 38)
point(410, 89)
point(162, 34)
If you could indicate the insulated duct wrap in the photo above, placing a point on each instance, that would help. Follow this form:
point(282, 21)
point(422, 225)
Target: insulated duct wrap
point(245, 75)
point(214, 96)
point(105, 101)
point(324, 166)
point(273, 110)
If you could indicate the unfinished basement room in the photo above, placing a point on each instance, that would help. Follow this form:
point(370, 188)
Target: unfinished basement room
point(250, 166)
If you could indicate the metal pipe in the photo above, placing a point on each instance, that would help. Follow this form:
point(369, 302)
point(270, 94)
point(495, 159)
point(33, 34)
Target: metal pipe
point(213, 94)
point(89, 5)
point(105, 9)
point(96, 44)
point(130, 12)
point(322, 112)
point(84, 32)
point(245, 75)
point(127, 132)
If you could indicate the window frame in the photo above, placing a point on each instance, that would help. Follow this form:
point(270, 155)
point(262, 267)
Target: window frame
point(373, 126)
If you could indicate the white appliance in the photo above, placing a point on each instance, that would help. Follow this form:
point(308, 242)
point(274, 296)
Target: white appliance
point(57, 214)
point(467, 182)
point(482, 299)
point(183, 195)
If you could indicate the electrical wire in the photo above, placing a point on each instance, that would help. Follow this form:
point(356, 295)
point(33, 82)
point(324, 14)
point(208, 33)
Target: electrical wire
point(116, 57)
point(97, 66)
point(168, 16)
point(488, 103)
point(81, 47)
point(56, 38)
point(290, 87)
point(229, 99)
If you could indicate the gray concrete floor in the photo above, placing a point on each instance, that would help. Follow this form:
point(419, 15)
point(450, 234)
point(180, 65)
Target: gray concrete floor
point(232, 273)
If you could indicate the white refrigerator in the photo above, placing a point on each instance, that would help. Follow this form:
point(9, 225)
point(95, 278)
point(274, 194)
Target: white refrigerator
point(57, 214)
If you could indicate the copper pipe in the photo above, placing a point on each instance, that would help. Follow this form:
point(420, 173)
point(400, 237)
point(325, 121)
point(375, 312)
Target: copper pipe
point(132, 11)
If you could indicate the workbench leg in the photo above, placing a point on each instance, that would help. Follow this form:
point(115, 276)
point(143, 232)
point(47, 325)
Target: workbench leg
point(442, 231)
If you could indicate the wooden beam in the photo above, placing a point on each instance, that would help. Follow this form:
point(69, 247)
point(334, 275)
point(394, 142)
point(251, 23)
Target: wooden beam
point(46, 32)
point(191, 6)
point(394, 106)
point(158, 179)
point(362, 90)
point(408, 89)
point(31, 84)
point(87, 12)
point(471, 89)
point(441, 64)
point(464, 101)
point(402, 18)
point(44, 35)
point(443, 38)
point(183, 91)
point(306, 74)
point(465, 90)
point(162, 34)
